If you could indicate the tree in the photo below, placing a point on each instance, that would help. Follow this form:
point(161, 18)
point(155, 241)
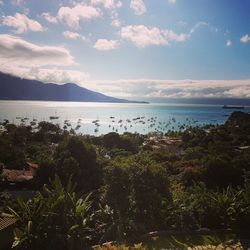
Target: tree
point(12, 156)
point(137, 189)
point(45, 172)
point(1, 171)
point(127, 141)
point(111, 140)
point(219, 172)
point(74, 157)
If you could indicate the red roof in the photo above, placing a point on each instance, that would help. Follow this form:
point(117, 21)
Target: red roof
point(33, 165)
point(13, 175)
point(6, 222)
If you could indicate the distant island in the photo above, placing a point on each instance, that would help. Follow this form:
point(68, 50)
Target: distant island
point(16, 88)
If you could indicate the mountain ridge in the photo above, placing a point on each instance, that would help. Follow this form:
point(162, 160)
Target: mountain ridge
point(17, 88)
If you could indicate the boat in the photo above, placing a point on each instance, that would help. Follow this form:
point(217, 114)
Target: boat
point(32, 123)
point(77, 127)
point(53, 117)
point(233, 107)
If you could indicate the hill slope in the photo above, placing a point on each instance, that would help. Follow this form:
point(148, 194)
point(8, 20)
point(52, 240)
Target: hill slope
point(15, 88)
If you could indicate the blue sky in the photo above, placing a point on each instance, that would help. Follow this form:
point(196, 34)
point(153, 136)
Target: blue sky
point(131, 48)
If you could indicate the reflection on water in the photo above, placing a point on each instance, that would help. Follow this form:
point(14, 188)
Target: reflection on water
point(101, 118)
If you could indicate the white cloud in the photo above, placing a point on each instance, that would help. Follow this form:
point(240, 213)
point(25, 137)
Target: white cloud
point(48, 75)
point(73, 35)
point(116, 23)
point(73, 16)
point(229, 43)
point(201, 24)
point(21, 23)
point(27, 60)
point(49, 18)
point(108, 4)
point(138, 6)
point(143, 36)
point(153, 88)
point(245, 38)
point(111, 6)
point(138, 88)
point(172, 1)
point(198, 25)
point(105, 45)
point(58, 75)
point(16, 51)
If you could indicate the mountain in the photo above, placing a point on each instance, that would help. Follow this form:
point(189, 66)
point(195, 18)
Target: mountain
point(16, 88)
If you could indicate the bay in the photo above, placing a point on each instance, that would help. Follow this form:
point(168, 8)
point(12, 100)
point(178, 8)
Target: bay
point(101, 118)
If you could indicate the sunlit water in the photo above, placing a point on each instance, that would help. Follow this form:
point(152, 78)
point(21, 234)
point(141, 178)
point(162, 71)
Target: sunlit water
point(141, 118)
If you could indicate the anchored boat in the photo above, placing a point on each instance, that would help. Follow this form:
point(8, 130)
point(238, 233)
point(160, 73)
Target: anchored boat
point(232, 107)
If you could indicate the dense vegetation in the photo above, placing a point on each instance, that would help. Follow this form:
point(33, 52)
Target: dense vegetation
point(119, 187)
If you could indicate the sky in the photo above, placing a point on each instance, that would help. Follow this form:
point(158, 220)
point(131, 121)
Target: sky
point(131, 48)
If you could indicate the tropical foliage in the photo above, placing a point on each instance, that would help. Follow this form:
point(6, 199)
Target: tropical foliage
point(203, 181)
point(55, 219)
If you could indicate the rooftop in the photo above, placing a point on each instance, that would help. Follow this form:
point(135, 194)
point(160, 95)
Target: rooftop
point(6, 222)
point(13, 175)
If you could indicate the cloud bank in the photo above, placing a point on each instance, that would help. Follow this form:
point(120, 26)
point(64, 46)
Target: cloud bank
point(150, 88)
point(139, 88)
point(16, 51)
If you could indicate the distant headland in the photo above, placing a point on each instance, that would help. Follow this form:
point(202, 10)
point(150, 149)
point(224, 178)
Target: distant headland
point(16, 88)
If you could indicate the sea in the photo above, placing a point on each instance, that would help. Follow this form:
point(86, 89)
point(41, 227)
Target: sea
point(101, 118)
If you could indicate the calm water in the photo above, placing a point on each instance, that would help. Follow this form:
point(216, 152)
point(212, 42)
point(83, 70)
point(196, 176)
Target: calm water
point(141, 118)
